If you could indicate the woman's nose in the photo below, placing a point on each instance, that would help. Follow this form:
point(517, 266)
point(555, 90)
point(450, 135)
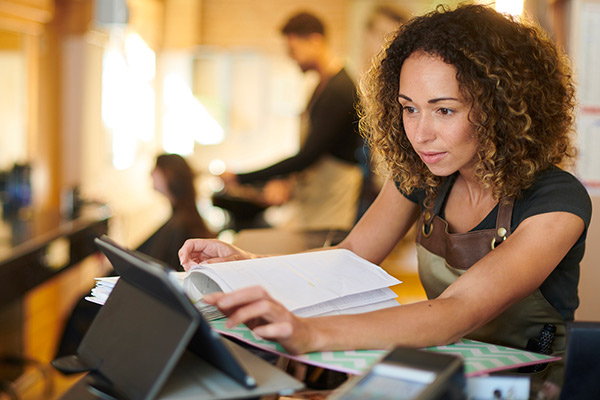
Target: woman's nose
point(423, 130)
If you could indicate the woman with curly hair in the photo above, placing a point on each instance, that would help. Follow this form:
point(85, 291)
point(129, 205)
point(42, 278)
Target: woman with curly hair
point(470, 112)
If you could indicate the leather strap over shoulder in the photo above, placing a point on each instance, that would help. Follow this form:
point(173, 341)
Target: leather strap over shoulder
point(503, 220)
point(462, 250)
point(429, 213)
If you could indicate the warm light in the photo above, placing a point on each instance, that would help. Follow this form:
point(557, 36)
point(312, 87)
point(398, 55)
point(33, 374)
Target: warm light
point(512, 7)
point(217, 167)
point(140, 57)
point(128, 100)
point(123, 149)
point(227, 235)
point(186, 120)
point(114, 76)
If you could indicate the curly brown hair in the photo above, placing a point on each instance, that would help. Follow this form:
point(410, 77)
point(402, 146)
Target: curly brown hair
point(519, 84)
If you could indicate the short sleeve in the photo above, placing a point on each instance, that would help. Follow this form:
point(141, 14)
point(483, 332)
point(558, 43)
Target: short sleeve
point(416, 196)
point(555, 191)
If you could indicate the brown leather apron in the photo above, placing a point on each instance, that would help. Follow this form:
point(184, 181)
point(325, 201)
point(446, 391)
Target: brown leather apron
point(444, 256)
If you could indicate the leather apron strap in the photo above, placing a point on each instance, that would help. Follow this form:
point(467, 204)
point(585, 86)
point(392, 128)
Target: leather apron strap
point(461, 250)
point(444, 256)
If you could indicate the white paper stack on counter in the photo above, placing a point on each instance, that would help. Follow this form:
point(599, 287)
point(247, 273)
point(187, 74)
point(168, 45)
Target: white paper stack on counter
point(104, 287)
point(324, 282)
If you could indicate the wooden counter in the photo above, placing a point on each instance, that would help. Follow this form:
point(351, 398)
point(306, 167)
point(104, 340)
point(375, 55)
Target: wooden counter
point(35, 249)
point(44, 267)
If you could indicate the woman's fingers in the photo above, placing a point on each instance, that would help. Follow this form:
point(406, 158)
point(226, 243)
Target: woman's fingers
point(275, 331)
point(251, 306)
point(257, 313)
point(191, 252)
point(237, 298)
point(212, 298)
point(267, 318)
point(196, 251)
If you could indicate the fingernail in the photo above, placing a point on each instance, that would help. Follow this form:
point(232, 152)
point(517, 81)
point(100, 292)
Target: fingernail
point(221, 303)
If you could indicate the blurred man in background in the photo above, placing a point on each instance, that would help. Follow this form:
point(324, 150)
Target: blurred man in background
point(320, 185)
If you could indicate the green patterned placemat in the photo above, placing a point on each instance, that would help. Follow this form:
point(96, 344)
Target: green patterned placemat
point(484, 358)
point(352, 362)
point(479, 358)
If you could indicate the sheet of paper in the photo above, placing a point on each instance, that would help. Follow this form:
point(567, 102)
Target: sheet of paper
point(358, 309)
point(304, 279)
point(367, 301)
point(317, 280)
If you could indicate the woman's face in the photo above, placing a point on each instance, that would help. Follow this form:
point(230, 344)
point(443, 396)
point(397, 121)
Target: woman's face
point(436, 116)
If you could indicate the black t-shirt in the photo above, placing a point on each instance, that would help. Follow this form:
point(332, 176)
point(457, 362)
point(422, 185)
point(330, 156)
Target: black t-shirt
point(333, 129)
point(554, 190)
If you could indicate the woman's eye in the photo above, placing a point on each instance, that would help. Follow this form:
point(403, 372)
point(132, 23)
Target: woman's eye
point(408, 110)
point(445, 111)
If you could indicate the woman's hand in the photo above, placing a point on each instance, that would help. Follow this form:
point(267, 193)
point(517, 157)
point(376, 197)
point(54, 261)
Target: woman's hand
point(265, 316)
point(196, 251)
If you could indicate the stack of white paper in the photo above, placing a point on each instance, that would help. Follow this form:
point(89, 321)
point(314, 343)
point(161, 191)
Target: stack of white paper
point(104, 287)
point(324, 282)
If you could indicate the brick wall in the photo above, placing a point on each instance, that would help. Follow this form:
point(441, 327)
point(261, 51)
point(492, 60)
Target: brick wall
point(256, 24)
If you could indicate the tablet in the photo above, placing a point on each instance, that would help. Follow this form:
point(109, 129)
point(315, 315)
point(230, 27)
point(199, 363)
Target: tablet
point(148, 327)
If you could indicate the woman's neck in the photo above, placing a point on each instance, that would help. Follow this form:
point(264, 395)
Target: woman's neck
point(468, 204)
point(471, 189)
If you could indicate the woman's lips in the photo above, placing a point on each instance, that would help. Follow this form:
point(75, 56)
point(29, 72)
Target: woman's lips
point(432, 157)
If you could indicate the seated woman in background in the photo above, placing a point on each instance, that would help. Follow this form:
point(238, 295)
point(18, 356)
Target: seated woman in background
point(470, 112)
point(172, 177)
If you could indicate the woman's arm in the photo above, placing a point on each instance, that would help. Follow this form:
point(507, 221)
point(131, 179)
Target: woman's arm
point(506, 275)
point(386, 221)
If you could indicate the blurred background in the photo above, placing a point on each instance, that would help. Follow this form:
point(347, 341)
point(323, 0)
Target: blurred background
point(92, 91)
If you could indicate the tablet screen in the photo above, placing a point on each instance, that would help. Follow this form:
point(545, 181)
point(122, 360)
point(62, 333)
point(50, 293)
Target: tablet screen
point(148, 320)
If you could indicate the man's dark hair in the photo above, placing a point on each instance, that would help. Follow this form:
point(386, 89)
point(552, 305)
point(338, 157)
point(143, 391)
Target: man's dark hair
point(303, 24)
point(389, 12)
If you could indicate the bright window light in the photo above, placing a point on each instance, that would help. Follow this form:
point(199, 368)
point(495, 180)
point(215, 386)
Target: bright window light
point(124, 147)
point(128, 99)
point(512, 7)
point(140, 57)
point(186, 120)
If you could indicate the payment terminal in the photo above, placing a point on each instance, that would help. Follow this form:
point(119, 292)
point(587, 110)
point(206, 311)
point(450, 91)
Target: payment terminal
point(408, 374)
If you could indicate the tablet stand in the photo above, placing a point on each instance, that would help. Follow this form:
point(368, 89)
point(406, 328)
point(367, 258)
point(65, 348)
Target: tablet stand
point(148, 328)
